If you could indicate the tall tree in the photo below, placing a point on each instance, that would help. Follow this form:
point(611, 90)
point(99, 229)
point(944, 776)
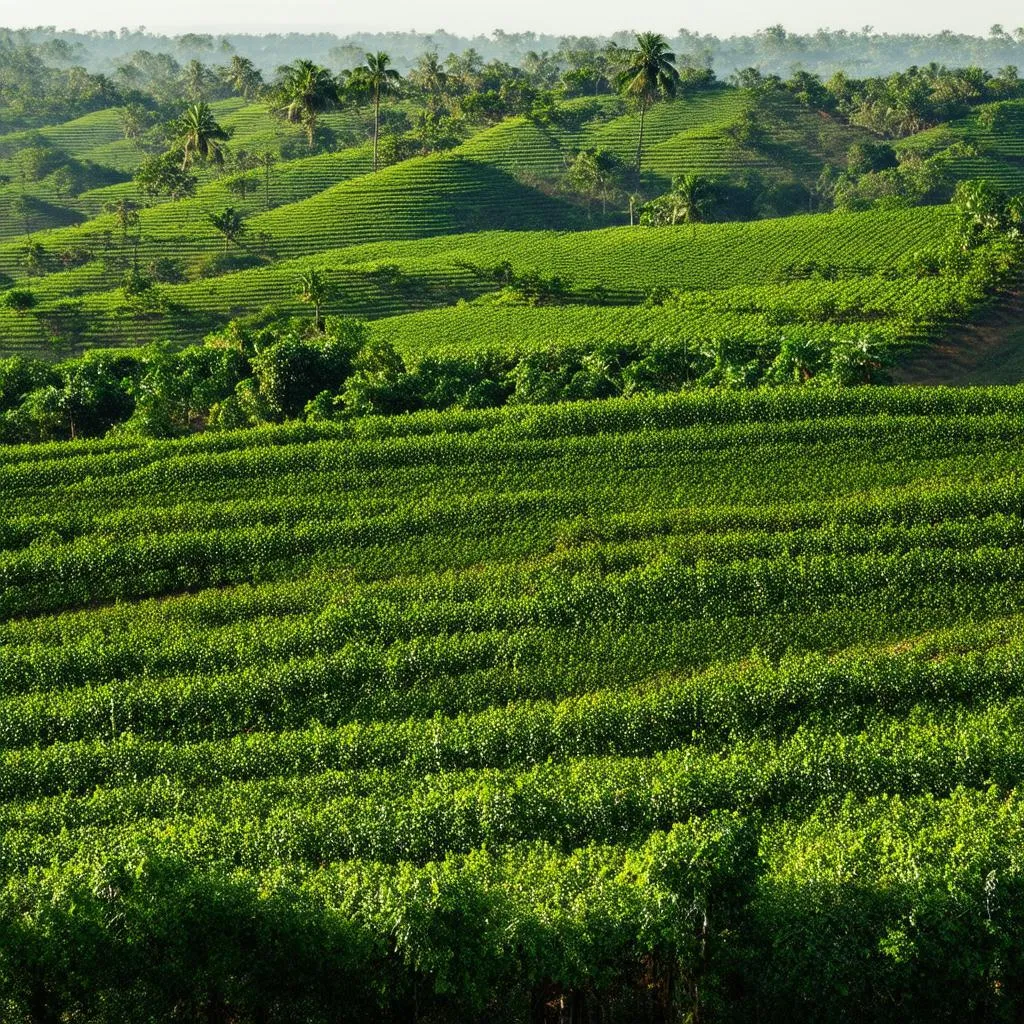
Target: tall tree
point(230, 224)
point(127, 213)
point(244, 77)
point(315, 289)
point(267, 160)
point(431, 79)
point(243, 182)
point(380, 79)
point(161, 175)
point(199, 136)
point(304, 92)
point(196, 80)
point(135, 119)
point(647, 73)
point(689, 199)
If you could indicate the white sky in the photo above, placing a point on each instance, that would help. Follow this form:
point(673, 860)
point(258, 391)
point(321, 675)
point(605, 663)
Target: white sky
point(470, 17)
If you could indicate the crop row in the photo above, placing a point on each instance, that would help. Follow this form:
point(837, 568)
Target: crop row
point(720, 705)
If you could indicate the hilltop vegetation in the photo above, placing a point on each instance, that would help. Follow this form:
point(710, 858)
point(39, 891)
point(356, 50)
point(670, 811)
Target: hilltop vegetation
point(837, 318)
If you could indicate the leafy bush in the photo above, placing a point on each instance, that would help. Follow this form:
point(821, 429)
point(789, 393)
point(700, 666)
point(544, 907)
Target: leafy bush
point(18, 299)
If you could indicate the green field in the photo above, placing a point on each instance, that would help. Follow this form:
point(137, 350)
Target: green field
point(437, 271)
point(563, 683)
point(525, 540)
point(995, 140)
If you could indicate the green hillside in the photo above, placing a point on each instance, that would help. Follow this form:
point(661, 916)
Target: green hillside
point(510, 176)
point(418, 198)
point(893, 310)
point(508, 531)
point(436, 271)
point(694, 134)
point(989, 144)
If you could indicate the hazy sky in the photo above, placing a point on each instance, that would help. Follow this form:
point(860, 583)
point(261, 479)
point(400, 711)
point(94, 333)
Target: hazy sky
point(578, 17)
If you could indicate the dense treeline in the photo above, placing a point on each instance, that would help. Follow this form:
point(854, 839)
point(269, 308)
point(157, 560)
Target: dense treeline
point(45, 80)
point(255, 374)
point(774, 49)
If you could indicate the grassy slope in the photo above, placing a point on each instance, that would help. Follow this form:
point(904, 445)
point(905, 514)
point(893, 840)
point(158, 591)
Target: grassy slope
point(98, 138)
point(329, 211)
point(627, 262)
point(995, 131)
point(689, 135)
point(423, 196)
point(987, 350)
point(686, 135)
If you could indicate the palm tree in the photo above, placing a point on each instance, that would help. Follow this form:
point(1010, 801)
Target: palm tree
point(689, 199)
point(316, 290)
point(230, 224)
point(135, 119)
point(648, 73)
point(195, 80)
point(244, 77)
point(430, 77)
point(199, 136)
point(380, 79)
point(267, 160)
point(306, 91)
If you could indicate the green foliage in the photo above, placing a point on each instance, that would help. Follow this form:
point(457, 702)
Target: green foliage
point(599, 703)
point(292, 371)
point(550, 654)
point(690, 200)
point(163, 176)
point(231, 224)
point(18, 299)
point(303, 93)
point(197, 136)
point(136, 283)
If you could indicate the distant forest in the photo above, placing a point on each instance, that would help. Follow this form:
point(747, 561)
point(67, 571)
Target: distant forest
point(772, 50)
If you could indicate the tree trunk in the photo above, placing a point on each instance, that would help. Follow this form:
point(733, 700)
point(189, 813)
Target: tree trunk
point(640, 141)
point(376, 124)
point(41, 1008)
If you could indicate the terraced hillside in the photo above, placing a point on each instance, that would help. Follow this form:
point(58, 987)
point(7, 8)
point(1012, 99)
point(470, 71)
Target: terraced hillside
point(989, 144)
point(329, 201)
point(181, 229)
point(465, 715)
point(694, 134)
point(101, 156)
point(689, 135)
point(412, 240)
point(387, 278)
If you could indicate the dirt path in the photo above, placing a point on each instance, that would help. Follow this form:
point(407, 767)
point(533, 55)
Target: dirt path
point(987, 350)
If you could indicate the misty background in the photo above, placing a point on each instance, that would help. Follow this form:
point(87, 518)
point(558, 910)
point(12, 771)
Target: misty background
point(773, 49)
